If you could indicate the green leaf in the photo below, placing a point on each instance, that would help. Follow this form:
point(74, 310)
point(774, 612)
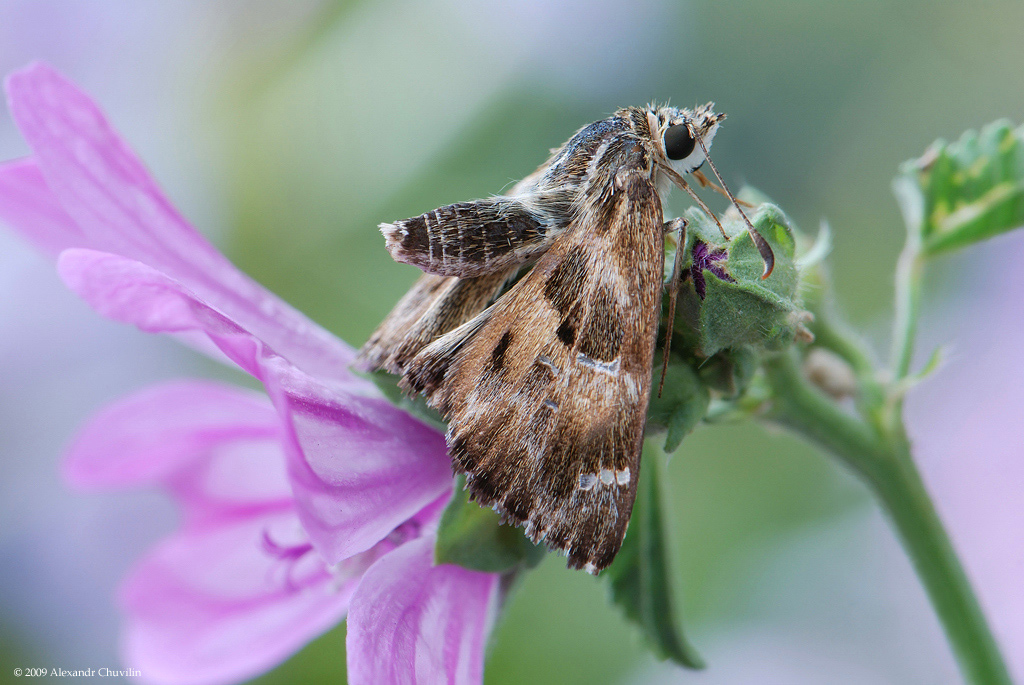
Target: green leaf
point(907, 383)
point(641, 575)
point(729, 372)
point(964, 192)
point(417, 406)
point(733, 316)
point(474, 537)
point(682, 403)
point(701, 227)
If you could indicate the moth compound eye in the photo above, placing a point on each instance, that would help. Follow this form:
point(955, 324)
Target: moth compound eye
point(678, 142)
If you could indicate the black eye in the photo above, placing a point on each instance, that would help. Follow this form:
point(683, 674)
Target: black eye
point(678, 142)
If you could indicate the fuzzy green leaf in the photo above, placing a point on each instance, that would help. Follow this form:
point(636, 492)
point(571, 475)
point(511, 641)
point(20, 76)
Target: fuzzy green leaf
point(964, 192)
point(474, 537)
point(730, 371)
point(682, 403)
point(641, 575)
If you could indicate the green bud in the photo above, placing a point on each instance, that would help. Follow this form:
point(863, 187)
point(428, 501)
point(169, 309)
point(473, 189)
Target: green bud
point(724, 303)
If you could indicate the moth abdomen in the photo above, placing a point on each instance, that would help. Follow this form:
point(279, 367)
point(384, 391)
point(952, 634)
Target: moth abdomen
point(469, 239)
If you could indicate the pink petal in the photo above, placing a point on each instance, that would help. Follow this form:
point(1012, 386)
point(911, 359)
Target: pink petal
point(214, 605)
point(216, 447)
point(106, 191)
point(28, 206)
point(132, 292)
point(239, 588)
point(143, 437)
point(359, 467)
point(413, 622)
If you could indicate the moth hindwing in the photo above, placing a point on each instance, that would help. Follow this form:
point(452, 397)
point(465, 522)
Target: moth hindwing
point(546, 389)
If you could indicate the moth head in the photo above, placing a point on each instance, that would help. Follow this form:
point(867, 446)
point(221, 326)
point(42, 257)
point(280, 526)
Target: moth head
point(678, 130)
point(683, 137)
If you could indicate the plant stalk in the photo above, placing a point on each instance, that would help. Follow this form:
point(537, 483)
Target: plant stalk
point(908, 305)
point(885, 463)
point(909, 269)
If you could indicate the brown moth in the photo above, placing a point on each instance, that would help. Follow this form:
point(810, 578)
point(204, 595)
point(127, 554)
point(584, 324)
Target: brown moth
point(545, 386)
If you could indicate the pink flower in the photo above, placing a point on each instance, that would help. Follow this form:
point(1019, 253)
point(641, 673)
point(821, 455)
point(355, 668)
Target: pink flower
point(296, 510)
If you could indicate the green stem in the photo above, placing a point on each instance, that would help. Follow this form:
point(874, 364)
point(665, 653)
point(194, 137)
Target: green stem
point(885, 463)
point(832, 335)
point(909, 269)
point(908, 305)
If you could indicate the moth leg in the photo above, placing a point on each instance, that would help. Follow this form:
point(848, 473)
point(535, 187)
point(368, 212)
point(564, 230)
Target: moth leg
point(703, 180)
point(706, 182)
point(678, 225)
point(470, 239)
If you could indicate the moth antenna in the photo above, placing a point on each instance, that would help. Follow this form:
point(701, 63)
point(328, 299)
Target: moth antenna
point(762, 245)
point(673, 293)
point(681, 182)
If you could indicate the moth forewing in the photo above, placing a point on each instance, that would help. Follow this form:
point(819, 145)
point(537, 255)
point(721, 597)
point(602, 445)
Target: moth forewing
point(470, 239)
point(469, 251)
point(379, 351)
point(547, 399)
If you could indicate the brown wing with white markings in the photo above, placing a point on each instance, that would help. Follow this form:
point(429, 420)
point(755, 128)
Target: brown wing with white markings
point(433, 306)
point(546, 391)
point(470, 239)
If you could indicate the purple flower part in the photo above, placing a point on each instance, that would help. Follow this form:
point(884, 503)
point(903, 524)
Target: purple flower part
point(359, 467)
point(238, 588)
point(113, 205)
point(27, 204)
point(414, 622)
point(242, 584)
point(212, 604)
point(154, 435)
point(704, 258)
point(357, 472)
point(132, 292)
point(163, 277)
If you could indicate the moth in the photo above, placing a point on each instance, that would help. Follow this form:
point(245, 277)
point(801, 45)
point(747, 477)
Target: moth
point(545, 382)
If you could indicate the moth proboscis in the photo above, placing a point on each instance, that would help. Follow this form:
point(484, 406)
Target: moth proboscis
point(545, 385)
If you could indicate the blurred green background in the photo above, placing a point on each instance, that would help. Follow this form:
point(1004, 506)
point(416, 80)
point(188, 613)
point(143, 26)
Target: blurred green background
point(308, 124)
